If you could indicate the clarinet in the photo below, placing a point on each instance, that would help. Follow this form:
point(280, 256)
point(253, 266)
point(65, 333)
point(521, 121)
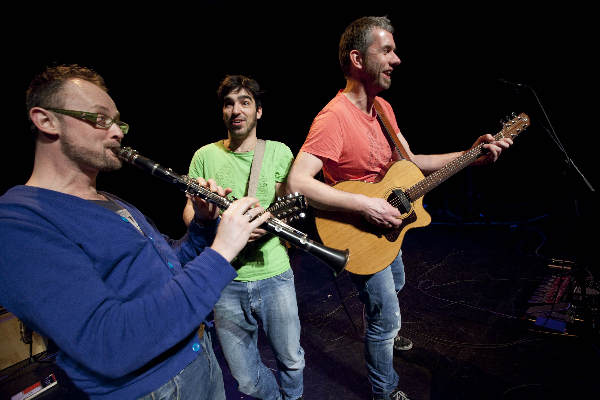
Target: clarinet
point(333, 258)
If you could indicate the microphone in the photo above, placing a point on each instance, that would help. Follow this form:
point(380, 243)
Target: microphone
point(549, 130)
point(511, 83)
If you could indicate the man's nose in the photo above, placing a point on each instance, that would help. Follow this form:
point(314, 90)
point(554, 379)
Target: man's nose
point(115, 131)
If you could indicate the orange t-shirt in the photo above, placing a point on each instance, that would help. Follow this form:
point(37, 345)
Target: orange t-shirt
point(350, 143)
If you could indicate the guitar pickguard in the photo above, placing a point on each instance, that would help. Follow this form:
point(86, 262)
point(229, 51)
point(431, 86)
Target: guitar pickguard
point(400, 200)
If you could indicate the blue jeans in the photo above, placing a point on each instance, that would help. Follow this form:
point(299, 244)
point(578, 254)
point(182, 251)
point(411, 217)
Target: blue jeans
point(378, 292)
point(202, 379)
point(272, 302)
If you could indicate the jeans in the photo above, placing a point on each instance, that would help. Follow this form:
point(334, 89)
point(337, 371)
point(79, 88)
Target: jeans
point(202, 379)
point(378, 292)
point(272, 302)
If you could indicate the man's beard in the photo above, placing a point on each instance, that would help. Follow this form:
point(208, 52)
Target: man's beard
point(250, 124)
point(100, 161)
point(377, 78)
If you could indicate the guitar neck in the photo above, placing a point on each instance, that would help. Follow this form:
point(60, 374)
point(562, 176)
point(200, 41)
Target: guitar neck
point(435, 179)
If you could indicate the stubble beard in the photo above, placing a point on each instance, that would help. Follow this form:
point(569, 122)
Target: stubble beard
point(378, 79)
point(243, 133)
point(101, 161)
point(382, 81)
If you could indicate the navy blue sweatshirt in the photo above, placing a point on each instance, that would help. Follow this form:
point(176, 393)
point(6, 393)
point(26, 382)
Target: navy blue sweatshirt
point(122, 306)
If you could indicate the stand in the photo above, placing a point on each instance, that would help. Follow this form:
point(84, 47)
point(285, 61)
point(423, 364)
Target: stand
point(580, 272)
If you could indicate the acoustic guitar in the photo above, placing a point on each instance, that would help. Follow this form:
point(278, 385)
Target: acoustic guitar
point(372, 248)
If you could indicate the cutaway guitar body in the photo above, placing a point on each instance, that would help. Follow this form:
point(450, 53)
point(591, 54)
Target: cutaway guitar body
point(372, 249)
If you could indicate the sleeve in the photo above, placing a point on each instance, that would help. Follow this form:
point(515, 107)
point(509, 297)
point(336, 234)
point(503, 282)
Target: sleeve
point(196, 239)
point(54, 287)
point(284, 159)
point(324, 138)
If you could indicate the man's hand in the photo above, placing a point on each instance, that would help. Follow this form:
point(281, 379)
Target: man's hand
point(493, 148)
point(257, 234)
point(237, 224)
point(204, 210)
point(379, 212)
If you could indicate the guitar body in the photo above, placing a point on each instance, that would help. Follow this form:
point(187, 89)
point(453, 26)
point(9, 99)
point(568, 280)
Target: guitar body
point(371, 248)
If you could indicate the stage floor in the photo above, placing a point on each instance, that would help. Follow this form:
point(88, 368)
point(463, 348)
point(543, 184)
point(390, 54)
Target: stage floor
point(465, 306)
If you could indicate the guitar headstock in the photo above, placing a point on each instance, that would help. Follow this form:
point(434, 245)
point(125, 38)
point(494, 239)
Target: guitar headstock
point(513, 126)
point(289, 208)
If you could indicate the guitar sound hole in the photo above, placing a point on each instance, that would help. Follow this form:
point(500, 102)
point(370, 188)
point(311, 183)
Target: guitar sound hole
point(400, 200)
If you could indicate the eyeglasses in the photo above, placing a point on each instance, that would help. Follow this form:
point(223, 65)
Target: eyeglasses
point(99, 120)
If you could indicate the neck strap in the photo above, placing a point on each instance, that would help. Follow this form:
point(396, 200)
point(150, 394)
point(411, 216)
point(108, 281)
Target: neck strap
point(387, 128)
point(259, 151)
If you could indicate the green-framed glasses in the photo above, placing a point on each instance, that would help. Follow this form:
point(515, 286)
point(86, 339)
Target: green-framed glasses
point(99, 120)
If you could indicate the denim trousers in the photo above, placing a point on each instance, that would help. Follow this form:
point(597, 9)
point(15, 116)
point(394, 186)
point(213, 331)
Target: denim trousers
point(272, 302)
point(202, 379)
point(379, 294)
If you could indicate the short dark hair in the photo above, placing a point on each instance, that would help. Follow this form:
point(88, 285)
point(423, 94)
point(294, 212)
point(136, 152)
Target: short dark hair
point(45, 88)
point(357, 36)
point(233, 83)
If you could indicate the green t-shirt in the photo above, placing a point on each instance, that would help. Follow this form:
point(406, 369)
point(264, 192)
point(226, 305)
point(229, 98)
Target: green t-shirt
point(267, 256)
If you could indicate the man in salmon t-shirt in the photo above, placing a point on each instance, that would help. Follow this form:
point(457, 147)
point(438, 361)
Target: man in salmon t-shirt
point(349, 142)
point(346, 142)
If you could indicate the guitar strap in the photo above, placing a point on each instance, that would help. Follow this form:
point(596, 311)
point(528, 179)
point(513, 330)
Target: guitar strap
point(259, 151)
point(386, 126)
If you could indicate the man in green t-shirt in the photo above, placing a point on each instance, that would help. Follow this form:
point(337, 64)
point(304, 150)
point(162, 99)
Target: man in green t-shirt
point(264, 288)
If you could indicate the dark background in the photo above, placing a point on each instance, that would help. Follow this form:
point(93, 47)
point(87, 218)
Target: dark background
point(499, 226)
point(163, 65)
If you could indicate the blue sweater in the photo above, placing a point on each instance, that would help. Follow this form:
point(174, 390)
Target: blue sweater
point(123, 307)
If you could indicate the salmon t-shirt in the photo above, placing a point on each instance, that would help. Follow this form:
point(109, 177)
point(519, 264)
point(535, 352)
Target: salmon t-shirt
point(350, 143)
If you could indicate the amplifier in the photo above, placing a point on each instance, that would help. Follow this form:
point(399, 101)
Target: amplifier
point(13, 335)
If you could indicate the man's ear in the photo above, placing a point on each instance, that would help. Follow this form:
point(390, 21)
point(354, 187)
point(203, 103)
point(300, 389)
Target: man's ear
point(356, 59)
point(44, 120)
point(258, 112)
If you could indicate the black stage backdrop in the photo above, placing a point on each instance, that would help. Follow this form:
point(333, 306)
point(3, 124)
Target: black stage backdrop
point(163, 65)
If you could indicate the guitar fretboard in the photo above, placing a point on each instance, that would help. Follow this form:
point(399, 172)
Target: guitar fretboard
point(433, 180)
